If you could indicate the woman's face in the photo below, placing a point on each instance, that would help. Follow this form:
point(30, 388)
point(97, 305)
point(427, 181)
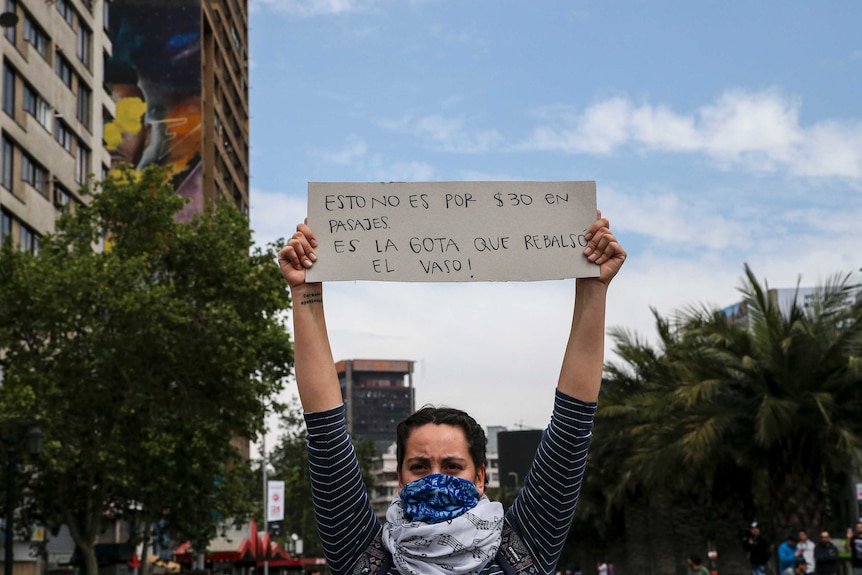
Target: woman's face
point(439, 448)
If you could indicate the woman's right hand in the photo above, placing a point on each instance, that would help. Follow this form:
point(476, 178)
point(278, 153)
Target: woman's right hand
point(298, 255)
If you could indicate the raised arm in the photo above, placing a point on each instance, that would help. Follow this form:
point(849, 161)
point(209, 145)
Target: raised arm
point(316, 377)
point(581, 373)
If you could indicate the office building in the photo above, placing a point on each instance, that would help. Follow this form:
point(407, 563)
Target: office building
point(378, 393)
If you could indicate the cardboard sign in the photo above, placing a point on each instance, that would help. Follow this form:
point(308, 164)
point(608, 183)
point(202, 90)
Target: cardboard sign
point(451, 231)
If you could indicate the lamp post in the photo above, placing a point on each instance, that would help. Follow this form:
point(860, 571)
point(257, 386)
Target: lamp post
point(34, 446)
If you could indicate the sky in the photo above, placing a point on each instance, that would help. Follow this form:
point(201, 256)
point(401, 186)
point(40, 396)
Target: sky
point(719, 134)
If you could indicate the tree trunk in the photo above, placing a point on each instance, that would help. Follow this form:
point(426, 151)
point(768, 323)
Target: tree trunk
point(637, 537)
point(796, 501)
point(662, 534)
point(84, 535)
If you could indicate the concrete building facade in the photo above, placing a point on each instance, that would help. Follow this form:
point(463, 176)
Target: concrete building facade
point(51, 121)
point(73, 71)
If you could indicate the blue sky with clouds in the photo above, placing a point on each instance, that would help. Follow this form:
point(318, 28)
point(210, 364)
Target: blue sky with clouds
point(718, 133)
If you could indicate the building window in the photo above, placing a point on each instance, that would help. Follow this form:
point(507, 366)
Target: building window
point(63, 134)
point(85, 98)
point(37, 107)
point(64, 7)
point(85, 44)
point(62, 198)
point(28, 240)
point(10, 31)
point(8, 155)
point(82, 164)
point(34, 174)
point(35, 36)
point(8, 90)
point(5, 226)
point(63, 69)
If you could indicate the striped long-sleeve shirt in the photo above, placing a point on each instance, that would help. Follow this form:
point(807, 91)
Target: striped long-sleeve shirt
point(541, 514)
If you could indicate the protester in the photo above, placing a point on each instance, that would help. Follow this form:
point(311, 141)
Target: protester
point(758, 549)
point(797, 568)
point(806, 546)
point(788, 554)
point(826, 558)
point(442, 522)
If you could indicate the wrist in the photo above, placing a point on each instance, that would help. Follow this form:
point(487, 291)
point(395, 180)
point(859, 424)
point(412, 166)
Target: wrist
point(591, 286)
point(306, 294)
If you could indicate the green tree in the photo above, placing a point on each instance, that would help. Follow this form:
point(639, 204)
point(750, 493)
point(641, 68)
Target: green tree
point(760, 419)
point(289, 462)
point(141, 362)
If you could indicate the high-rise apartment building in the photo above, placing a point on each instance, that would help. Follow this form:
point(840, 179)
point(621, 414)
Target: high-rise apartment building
point(51, 121)
point(178, 73)
point(378, 393)
point(91, 83)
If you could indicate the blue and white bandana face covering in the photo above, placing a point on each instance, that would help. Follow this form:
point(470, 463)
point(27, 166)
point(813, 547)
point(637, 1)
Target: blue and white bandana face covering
point(450, 530)
point(438, 497)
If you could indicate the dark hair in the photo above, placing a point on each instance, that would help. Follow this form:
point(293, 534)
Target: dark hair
point(695, 559)
point(473, 432)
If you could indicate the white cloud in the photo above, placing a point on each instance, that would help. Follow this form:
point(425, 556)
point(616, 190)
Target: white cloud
point(274, 215)
point(831, 149)
point(671, 219)
point(758, 131)
point(311, 8)
point(355, 155)
point(355, 149)
point(403, 172)
point(449, 134)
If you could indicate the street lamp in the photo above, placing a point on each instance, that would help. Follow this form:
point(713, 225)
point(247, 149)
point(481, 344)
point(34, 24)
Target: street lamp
point(8, 19)
point(34, 447)
point(294, 545)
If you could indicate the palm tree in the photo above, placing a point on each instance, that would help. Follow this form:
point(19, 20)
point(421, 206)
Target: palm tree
point(764, 417)
point(783, 393)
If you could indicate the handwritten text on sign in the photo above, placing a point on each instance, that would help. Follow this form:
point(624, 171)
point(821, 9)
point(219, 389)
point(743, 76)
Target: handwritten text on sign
point(451, 231)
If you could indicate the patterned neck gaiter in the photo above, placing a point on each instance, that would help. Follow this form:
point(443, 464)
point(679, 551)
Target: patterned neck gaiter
point(437, 497)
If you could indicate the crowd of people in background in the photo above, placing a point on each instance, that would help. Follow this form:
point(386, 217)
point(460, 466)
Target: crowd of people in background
point(798, 554)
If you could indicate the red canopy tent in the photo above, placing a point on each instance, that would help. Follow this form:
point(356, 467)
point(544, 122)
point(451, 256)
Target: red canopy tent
point(256, 549)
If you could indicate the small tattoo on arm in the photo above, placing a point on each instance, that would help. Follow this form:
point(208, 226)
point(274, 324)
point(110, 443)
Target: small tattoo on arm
point(310, 298)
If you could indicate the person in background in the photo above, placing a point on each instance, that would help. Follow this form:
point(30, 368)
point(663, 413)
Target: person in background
point(758, 549)
point(798, 568)
point(854, 546)
point(788, 553)
point(806, 546)
point(825, 556)
point(695, 565)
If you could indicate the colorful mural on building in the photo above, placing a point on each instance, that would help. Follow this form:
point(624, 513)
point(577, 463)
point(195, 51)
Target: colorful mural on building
point(155, 78)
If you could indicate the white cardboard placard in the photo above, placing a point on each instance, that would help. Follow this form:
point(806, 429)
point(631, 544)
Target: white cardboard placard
point(451, 231)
